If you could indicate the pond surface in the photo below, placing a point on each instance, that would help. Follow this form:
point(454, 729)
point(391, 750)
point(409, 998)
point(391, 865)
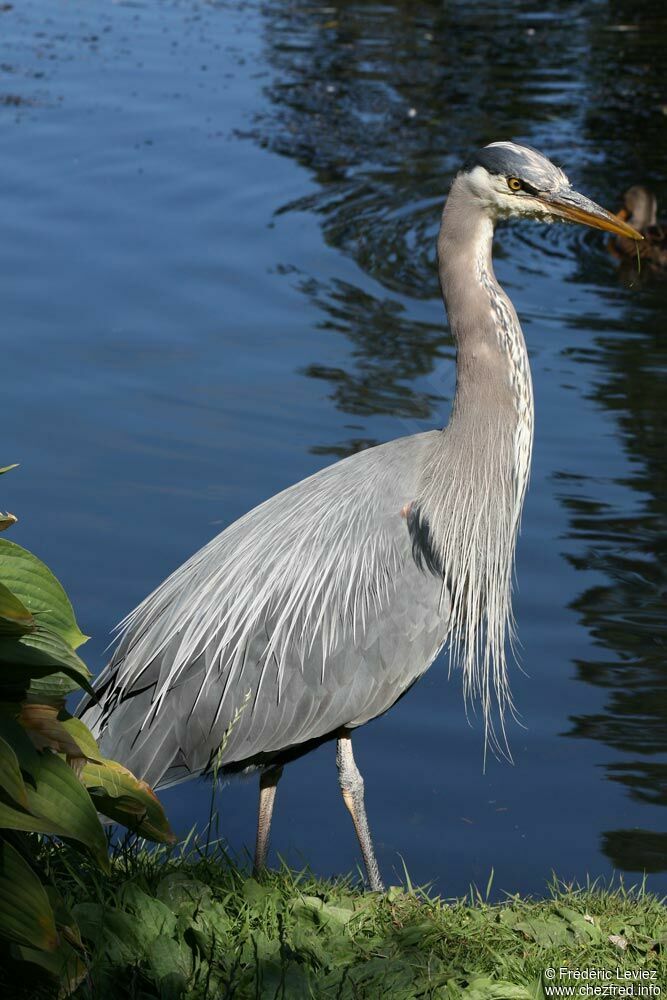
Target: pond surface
point(217, 275)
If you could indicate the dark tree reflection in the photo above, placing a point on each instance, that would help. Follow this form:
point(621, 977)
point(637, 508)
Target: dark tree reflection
point(389, 352)
point(381, 102)
point(626, 614)
point(636, 850)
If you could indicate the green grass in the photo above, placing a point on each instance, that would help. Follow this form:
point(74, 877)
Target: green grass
point(195, 925)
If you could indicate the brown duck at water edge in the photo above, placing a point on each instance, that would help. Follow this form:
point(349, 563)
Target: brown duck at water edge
point(640, 209)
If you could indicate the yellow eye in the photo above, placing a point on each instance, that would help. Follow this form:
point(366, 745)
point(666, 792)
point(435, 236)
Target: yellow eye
point(514, 184)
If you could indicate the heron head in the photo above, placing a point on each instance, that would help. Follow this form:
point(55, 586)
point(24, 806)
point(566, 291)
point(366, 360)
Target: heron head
point(513, 180)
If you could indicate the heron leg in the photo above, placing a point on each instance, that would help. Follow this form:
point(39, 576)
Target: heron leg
point(352, 787)
point(268, 783)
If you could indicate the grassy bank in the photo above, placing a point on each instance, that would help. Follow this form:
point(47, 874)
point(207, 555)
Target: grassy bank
point(197, 926)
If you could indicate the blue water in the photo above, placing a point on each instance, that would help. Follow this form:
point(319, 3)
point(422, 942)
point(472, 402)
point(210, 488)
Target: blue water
point(217, 276)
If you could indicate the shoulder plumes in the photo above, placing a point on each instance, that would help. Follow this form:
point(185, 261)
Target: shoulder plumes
point(308, 568)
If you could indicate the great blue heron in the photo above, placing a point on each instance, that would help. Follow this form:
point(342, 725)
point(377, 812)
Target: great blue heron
point(316, 611)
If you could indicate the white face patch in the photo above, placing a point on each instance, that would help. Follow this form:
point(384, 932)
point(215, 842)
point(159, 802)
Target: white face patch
point(493, 192)
point(482, 185)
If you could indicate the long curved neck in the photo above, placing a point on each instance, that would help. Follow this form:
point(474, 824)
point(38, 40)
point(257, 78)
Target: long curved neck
point(474, 485)
point(493, 372)
point(493, 384)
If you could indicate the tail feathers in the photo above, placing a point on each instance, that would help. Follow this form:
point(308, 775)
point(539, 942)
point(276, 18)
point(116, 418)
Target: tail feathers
point(147, 751)
point(152, 751)
point(177, 773)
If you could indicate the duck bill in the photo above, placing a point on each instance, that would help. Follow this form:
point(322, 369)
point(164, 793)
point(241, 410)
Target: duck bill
point(576, 208)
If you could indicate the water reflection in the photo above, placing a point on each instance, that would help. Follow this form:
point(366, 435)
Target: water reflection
point(380, 102)
point(636, 850)
point(626, 613)
point(390, 353)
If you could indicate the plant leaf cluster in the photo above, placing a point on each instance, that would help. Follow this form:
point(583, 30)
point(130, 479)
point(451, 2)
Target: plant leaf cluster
point(53, 779)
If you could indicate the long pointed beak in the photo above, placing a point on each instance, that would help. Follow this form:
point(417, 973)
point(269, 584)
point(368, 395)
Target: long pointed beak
point(577, 208)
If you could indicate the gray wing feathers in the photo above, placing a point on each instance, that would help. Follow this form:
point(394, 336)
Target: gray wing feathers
point(307, 614)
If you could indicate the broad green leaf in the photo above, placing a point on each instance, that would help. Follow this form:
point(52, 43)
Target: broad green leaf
point(254, 893)
point(60, 794)
point(179, 891)
point(485, 988)
point(42, 648)
point(65, 922)
point(45, 684)
point(8, 468)
point(547, 930)
point(52, 687)
point(26, 917)
point(11, 778)
point(123, 798)
point(152, 916)
point(323, 913)
point(38, 654)
point(213, 926)
point(170, 962)
point(34, 584)
point(15, 619)
point(13, 732)
point(110, 932)
point(64, 964)
point(82, 735)
point(59, 805)
point(13, 818)
point(582, 929)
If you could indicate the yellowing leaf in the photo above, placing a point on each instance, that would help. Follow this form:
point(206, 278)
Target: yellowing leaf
point(127, 800)
point(46, 730)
